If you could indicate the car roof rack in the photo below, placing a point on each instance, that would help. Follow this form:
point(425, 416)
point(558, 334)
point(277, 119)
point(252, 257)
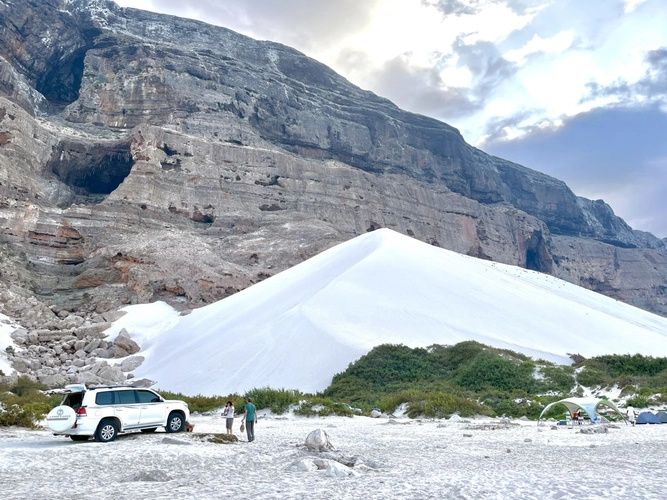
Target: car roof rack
point(93, 387)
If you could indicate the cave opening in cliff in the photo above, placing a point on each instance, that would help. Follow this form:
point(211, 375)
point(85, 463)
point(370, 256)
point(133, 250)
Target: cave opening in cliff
point(61, 84)
point(92, 171)
point(538, 257)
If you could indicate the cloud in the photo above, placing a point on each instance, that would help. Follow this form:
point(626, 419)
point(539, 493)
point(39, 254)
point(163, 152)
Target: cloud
point(422, 89)
point(617, 154)
point(304, 24)
point(473, 7)
point(651, 87)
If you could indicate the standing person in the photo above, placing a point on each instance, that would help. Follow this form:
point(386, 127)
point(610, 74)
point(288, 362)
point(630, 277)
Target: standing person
point(229, 413)
point(250, 418)
point(630, 412)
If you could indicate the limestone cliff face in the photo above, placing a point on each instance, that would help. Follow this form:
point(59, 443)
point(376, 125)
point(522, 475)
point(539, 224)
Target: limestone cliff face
point(147, 157)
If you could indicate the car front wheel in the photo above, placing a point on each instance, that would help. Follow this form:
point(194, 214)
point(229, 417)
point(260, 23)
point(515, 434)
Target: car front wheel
point(106, 431)
point(175, 423)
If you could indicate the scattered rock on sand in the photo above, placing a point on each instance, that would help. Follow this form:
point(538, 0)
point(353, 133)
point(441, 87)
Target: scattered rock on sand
point(331, 468)
point(318, 440)
point(149, 475)
point(173, 441)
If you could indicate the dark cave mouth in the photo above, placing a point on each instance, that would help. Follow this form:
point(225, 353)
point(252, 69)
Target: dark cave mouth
point(61, 83)
point(92, 171)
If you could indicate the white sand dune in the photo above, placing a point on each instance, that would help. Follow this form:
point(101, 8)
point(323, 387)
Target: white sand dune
point(297, 329)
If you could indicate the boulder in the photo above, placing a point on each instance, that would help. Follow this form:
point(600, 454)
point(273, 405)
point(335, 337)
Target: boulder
point(126, 343)
point(56, 380)
point(131, 363)
point(143, 382)
point(92, 345)
point(85, 377)
point(118, 352)
point(335, 469)
point(111, 316)
point(94, 330)
point(111, 374)
point(318, 440)
point(20, 336)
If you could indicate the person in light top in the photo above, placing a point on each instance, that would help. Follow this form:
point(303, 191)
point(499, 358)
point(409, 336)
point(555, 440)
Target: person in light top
point(630, 412)
point(229, 413)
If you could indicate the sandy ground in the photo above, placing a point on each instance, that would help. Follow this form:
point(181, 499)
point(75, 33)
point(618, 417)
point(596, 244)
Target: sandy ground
point(403, 459)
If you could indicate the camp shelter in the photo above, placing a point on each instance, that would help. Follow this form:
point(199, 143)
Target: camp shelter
point(588, 405)
point(646, 417)
point(662, 415)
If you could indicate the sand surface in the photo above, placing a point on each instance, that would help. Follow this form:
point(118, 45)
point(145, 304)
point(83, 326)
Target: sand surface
point(398, 458)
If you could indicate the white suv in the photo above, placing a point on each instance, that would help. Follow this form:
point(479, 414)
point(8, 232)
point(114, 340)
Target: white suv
point(104, 412)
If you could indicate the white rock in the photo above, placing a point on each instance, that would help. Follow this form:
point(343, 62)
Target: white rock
point(318, 440)
point(336, 469)
point(303, 465)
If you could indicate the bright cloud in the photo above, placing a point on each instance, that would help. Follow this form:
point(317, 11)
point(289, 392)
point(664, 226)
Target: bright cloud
point(538, 45)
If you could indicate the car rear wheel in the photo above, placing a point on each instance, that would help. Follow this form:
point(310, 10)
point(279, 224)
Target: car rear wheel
point(106, 431)
point(175, 423)
point(79, 438)
point(149, 430)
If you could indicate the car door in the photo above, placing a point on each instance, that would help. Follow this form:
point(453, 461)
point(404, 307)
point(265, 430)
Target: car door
point(153, 409)
point(127, 409)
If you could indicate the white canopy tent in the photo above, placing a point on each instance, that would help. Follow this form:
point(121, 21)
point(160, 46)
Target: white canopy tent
point(589, 405)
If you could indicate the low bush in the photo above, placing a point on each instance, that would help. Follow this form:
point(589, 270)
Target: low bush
point(315, 406)
point(638, 401)
point(15, 415)
point(276, 400)
point(592, 377)
point(201, 403)
point(25, 403)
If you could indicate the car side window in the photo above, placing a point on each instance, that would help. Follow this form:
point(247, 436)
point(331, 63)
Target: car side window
point(147, 397)
point(126, 397)
point(104, 398)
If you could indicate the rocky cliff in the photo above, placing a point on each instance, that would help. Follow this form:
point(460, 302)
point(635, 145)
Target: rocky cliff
point(145, 157)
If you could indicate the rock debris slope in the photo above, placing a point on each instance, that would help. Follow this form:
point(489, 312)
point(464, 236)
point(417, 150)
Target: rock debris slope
point(145, 157)
point(297, 329)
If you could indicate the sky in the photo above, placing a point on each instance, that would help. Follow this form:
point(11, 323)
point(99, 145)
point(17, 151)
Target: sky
point(300, 327)
point(576, 89)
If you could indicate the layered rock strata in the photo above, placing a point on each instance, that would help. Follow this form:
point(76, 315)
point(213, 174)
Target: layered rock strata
point(145, 157)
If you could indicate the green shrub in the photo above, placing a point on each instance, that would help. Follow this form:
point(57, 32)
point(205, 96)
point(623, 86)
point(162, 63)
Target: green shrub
point(638, 401)
point(25, 403)
point(315, 406)
point(627, 390)
point(14, 415)
point(632, 365)
point(201, 403)
point(25, 386)
point(37, 410)
point(489, 370)
point(276, 400)
point(592, 377)
point(557, 378)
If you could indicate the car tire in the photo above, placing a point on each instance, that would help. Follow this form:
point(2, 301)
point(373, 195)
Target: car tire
point(106, 431)
point(149, 430)
point(175, 423)
point(79, 438)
